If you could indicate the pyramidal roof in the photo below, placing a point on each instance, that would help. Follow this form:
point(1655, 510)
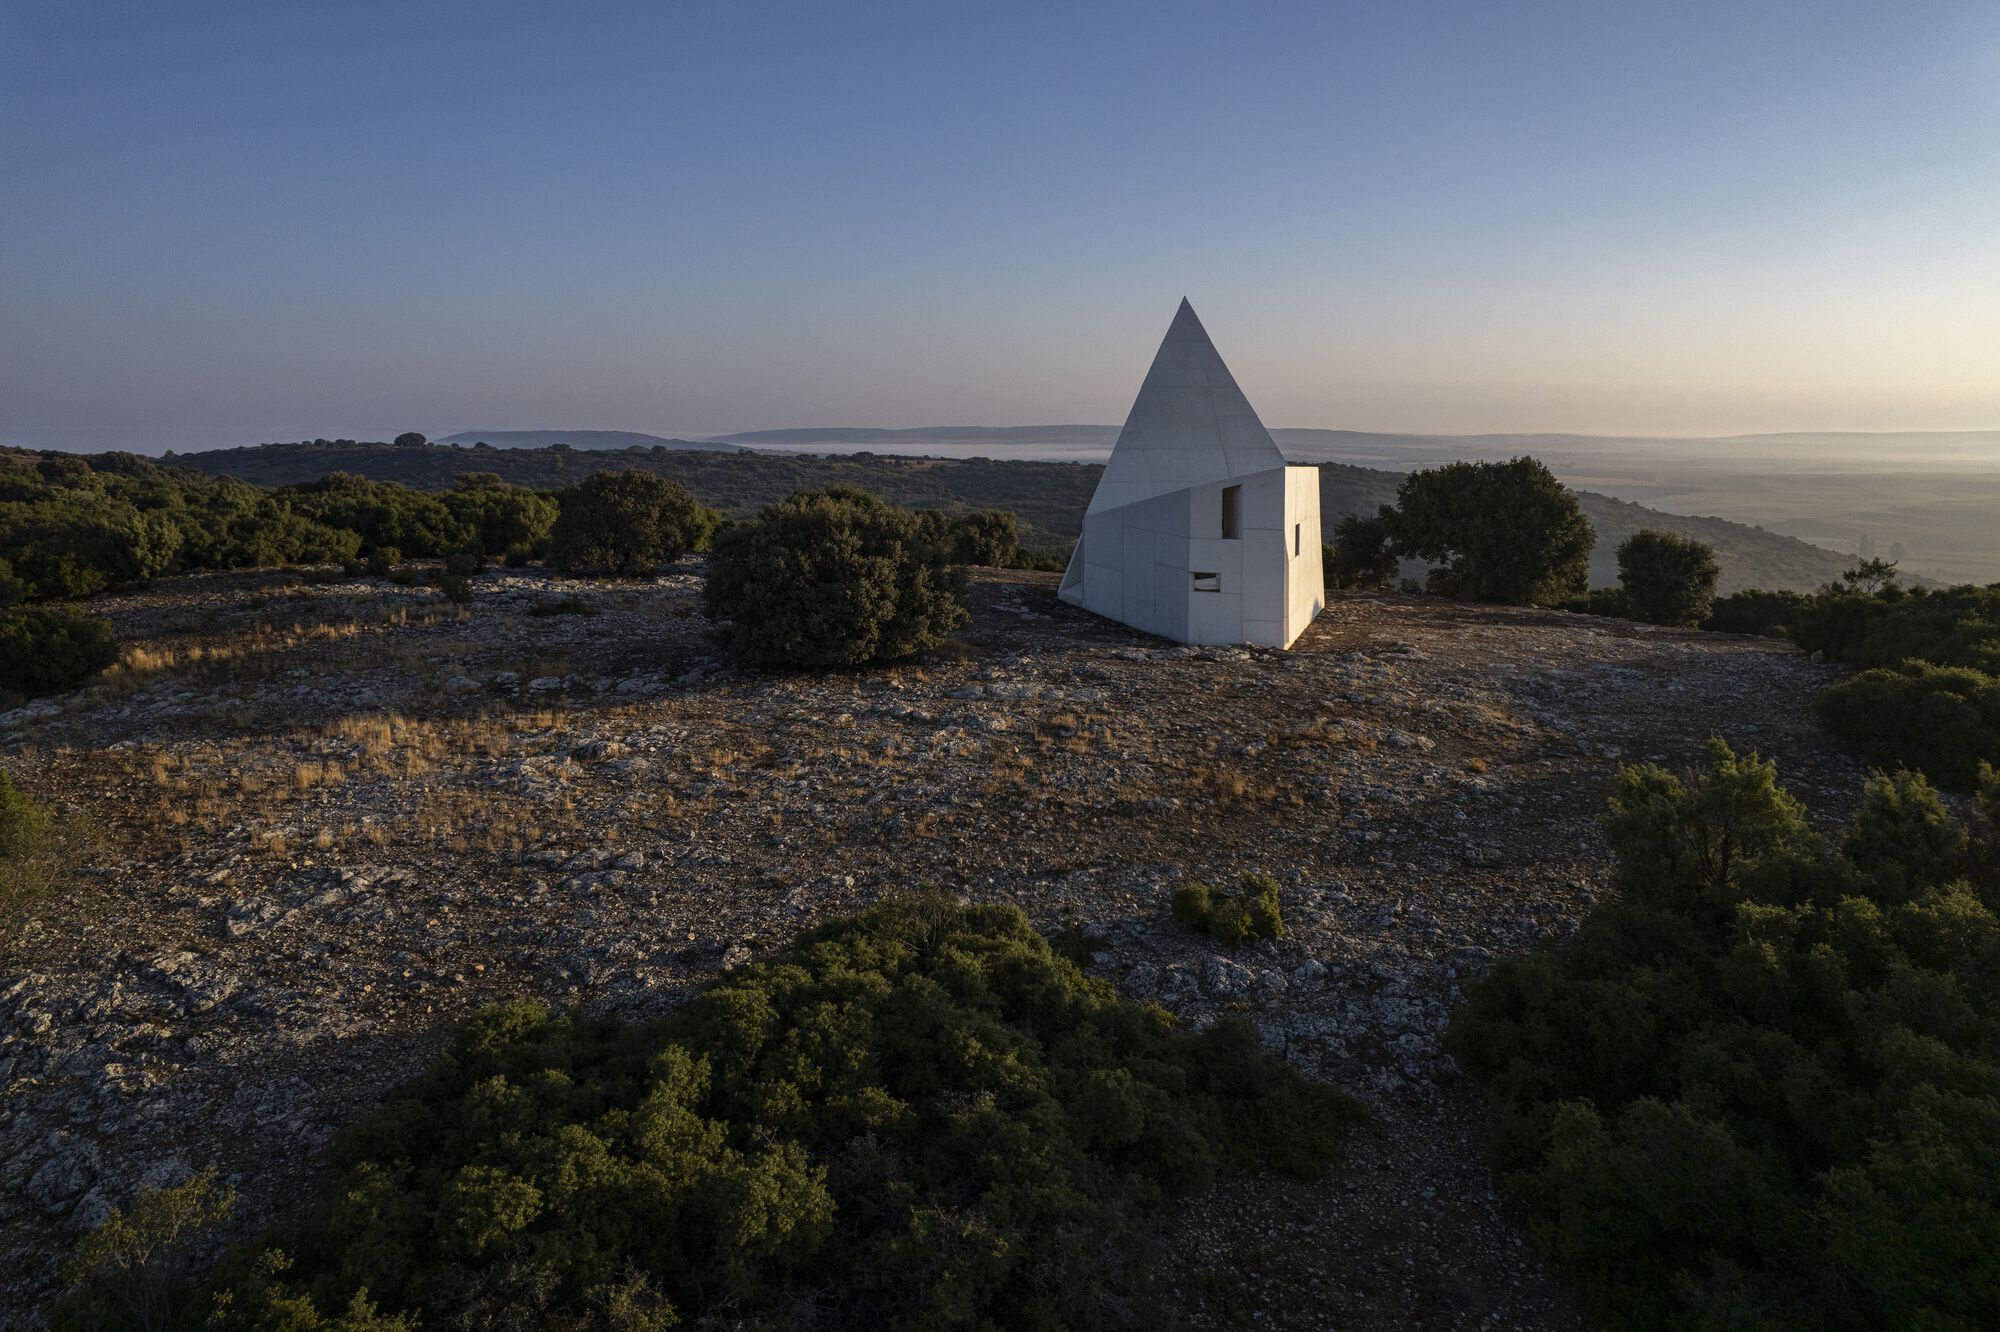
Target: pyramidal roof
point(1189, 425)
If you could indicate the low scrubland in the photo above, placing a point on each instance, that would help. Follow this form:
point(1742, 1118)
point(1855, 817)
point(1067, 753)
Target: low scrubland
point(72, 527)
point(920, 1117)
point(1926, 693)
point(1757, 1089)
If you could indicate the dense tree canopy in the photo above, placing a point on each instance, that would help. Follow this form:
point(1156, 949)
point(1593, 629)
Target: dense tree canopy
point(1954, 626)
point(419, 525)
point(71, 527)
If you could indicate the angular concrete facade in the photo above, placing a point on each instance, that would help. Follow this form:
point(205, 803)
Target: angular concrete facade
point(1198, 530)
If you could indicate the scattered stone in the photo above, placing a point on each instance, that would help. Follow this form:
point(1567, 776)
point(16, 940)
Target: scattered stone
point(615, 814)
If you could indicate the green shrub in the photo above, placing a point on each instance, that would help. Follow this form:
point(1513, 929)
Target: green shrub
point(1252, 912)
point(38, 849)
point(989, 537)
point(917, 1118)
point(465, 563)
point(380, 513)
point(50, 649)
point(1757, 1089)
point(1943, 721)
point(1667, 578)
point(1044, 559)
point(627, 524)
point(1361, 555)
point(1957, 626)
point(382, 561)
point(1607, 601)
point(1771, 614)
point(23, 821)
point(1192, 904)
point(1076, 945)
point(457, 589)
point(1928, 695)
point(833, 578)
point(130, 1274)
point(506, 520)
point(24, 825)
point(12, 590)
point(1506, 532)
point(72, 526)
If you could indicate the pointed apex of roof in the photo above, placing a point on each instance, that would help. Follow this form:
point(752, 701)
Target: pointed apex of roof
point(1190, 423)
point(1187, 325)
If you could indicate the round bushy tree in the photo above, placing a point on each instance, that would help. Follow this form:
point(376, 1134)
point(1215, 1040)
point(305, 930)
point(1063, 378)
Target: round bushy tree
point(411, 439)
point(627, 524)
point(1668, 578)
point(834, 578)
point(989, 537)
point(47, 649)
point(1507, 532)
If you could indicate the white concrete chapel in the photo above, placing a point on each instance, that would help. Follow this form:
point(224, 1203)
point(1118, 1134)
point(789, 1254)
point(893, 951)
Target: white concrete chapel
point(1198, 530)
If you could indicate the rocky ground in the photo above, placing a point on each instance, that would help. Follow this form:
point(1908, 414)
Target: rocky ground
point(325, 820)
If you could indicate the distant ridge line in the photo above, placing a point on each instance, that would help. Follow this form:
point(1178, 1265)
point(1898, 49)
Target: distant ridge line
point(582, 439)
point(884, 435)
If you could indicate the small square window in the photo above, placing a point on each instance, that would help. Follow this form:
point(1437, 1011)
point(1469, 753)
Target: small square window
point(1207, 582)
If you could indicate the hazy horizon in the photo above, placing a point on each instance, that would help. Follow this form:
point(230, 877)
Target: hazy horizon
point(154, 443)
point(238, 223)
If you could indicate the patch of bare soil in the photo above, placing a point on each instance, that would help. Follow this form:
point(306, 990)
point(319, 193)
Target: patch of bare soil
point(332, 819)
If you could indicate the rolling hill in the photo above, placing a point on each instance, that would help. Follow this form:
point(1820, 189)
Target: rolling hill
point(579, 439)
point(1049, 496)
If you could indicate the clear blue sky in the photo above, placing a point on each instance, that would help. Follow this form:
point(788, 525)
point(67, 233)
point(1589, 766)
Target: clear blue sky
point(225, 223)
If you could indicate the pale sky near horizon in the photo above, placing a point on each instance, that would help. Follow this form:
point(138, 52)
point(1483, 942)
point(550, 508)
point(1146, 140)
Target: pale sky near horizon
point(224, 223)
